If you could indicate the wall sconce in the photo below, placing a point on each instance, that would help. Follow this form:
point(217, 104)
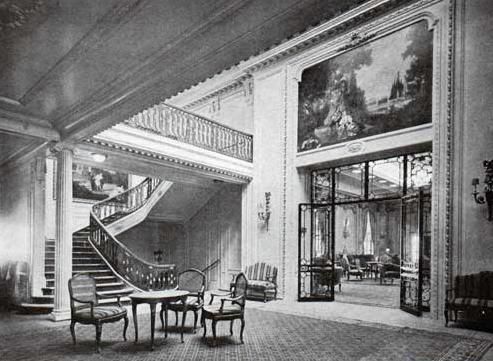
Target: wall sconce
point(264, 211)
point(488, 188)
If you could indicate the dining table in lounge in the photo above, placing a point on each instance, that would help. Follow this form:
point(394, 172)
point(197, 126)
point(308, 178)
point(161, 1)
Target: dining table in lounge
point(153, 298)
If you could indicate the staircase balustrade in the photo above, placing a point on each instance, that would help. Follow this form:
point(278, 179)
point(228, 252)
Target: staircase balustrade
point(190, 128)
point(127, 202)
point(136, 271)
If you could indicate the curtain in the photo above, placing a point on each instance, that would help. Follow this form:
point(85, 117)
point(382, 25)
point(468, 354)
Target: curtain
point(368, 239)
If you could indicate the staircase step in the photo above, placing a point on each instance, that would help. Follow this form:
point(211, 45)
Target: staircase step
point(89, 267)
point(100, 287)
point(110, 301)
point(36, 307)
point(83, 253)
point(125, 290)
point(42, 299)
point(84, 260)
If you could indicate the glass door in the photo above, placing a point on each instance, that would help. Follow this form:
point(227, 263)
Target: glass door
point(316, 265)
point(415, 252)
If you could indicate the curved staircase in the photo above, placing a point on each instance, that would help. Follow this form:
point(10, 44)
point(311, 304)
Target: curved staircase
point(93, 259)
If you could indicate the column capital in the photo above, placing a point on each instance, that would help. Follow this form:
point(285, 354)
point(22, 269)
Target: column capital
point(54, 148)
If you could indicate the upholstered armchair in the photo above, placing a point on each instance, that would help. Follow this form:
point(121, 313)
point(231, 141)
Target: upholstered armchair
point(191, 280)
point(86, 310)
point(389, 271)
point(230, 308)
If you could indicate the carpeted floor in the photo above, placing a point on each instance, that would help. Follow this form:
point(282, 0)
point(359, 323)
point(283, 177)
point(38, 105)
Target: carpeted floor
point(369, 292)
point(268, 336)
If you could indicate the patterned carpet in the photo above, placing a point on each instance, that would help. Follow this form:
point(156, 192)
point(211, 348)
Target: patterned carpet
point(268, 336)
point(369, 292)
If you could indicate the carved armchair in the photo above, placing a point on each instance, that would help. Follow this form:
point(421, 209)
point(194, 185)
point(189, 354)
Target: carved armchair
point(86, 310)
point(230, 308)
point(191, 280)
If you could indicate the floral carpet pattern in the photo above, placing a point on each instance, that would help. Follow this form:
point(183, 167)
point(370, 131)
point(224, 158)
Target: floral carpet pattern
point(268, 336)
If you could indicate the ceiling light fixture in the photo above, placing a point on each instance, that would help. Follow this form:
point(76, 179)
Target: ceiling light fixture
point(98, 157)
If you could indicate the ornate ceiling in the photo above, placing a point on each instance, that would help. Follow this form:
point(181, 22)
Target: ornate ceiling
point(71, 68)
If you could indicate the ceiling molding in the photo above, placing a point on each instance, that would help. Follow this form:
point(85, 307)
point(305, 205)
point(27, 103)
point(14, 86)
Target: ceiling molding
point(102, 31)
point(22, 155)
point(27, 125)
point(180, 163)
point(142, 72)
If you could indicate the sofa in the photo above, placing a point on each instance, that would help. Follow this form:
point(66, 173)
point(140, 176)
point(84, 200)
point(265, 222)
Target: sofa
point(472, 295)
point(262, 281)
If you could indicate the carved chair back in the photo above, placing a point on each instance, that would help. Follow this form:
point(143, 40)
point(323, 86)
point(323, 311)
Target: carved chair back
point(240, 289)
point(192, 280)
point(83, 288)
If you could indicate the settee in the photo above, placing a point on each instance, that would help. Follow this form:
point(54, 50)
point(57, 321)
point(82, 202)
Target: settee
point(262, 281)
point(472, 295)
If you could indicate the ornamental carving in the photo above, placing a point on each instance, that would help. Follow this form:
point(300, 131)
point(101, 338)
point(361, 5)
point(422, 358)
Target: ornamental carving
point(15, 13)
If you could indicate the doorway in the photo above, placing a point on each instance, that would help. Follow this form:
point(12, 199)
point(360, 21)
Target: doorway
point(365, 236)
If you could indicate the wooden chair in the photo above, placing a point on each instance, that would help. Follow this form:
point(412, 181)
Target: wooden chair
point(191, 280)
point(228, 312)
point(355, 270)
point(86, 310)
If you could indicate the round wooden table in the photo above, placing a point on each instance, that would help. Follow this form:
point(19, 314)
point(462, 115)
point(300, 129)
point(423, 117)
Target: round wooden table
point(153, 298)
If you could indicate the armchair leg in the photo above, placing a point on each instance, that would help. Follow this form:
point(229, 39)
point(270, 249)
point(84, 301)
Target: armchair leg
point(72, 330)
point(445, 313)
point(214, 322)
point(231, 327)
point(204, 324)
point(161, 317)
point(242, 328)
point(184, 317)
point(339, 287)
point(125, 328)
point(176, 318)
point(99, 329)
point(195, 316)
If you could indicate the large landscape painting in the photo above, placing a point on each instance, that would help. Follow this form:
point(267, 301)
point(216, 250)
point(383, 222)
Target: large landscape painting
point(380, 87)
point(95, 183)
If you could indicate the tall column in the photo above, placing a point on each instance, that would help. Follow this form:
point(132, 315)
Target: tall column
point(63, 242)
point(37, 220)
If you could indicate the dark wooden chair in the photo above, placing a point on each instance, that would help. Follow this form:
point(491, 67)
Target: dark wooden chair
point(86, 310)
point(230, 308)
point(191, 280)
point(355, 270)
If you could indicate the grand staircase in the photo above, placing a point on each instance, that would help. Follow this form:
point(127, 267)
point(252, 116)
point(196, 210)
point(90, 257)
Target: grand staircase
point(85, 259)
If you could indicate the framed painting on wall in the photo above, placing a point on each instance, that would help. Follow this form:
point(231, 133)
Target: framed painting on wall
point(382, 86)
point(95, 183)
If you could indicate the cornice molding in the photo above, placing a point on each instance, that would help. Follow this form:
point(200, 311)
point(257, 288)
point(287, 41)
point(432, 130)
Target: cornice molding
point(139, 75)
point(310, 38)
point(27, 125)
point(358, 16)
point(168, 159)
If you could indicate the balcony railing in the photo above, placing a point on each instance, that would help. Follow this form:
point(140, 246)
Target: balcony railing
point(184, 126)
point(136, 271)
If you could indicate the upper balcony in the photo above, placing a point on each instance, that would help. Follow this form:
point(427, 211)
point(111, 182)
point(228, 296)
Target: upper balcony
point(180, 141)
point(187, 127)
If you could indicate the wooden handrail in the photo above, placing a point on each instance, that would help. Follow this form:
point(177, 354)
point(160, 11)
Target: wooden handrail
point(213, 264)
point(126, 202)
